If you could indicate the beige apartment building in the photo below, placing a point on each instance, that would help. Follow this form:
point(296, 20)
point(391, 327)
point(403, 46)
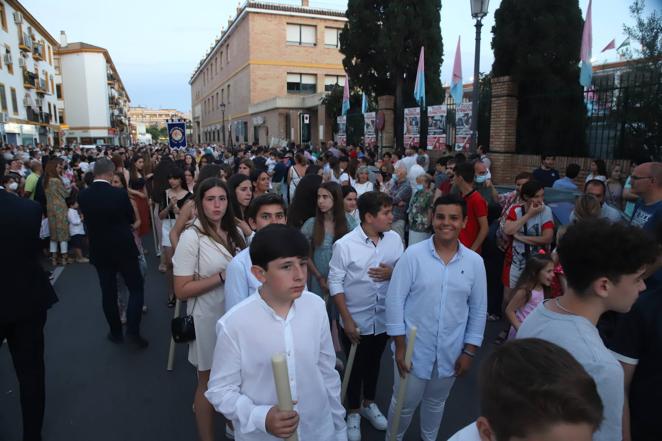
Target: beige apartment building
point(264, 79)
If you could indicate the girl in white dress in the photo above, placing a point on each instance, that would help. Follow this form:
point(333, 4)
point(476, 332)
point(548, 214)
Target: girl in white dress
point(203, 253)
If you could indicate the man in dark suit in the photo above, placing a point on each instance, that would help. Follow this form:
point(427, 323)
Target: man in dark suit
point(25, 296)
point(108, 216)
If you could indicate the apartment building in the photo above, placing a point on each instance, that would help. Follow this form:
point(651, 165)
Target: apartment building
point(141, 118)
point(92, 101)
point(28, 112)
point(265, 77)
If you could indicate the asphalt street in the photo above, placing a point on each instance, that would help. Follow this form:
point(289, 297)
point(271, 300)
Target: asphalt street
point(96, 390)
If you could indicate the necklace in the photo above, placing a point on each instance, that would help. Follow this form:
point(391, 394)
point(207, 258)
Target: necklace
point(558, 303)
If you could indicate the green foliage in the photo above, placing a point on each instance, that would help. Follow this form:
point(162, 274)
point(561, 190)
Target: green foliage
point(485, 109)
point(157, 133)
point(643, 98)
point(333, 103)
point(538, 44)
point(381, 42)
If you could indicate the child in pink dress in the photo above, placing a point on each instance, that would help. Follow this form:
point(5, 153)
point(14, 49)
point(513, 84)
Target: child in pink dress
point(532, 288)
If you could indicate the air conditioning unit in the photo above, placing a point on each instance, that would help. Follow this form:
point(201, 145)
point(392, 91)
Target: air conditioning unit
point(39, 102)
point(18, 18)
point(21, 62)
point(4, 117)
point(8, 59)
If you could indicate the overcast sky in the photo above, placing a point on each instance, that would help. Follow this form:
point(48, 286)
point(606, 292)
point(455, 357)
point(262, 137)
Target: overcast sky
point(157, 44)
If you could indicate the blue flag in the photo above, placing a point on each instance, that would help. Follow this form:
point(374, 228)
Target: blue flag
point(177, 134)
point(364, 104)
point(419, 87)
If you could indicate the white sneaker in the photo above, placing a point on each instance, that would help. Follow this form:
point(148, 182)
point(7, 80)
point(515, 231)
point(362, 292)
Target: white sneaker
point(371, 413)
point(354, 427)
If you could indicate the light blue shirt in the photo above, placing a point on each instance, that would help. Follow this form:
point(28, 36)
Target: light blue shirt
point(447, 303)
point(565, 183)
point(239, 280)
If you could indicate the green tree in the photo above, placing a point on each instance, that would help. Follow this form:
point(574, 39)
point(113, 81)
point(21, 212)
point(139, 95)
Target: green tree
point(381, 42)
point(538, 44)
point(485, 109)
point(641, 101)
point(354, 124)
point(157, 133)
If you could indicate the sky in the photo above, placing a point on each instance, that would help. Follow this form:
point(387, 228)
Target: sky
point(156, 45)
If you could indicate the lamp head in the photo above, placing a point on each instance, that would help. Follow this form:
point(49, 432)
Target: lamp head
point(479, 8)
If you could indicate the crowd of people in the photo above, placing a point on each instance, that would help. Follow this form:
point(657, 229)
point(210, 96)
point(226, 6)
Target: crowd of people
point(313, 251)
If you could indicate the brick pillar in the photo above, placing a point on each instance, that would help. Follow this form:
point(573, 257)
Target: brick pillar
point(503, 122)
point(386, 104)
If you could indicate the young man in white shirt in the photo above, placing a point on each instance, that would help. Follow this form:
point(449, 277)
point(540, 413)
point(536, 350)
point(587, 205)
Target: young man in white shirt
point(534, 390)
point(240, 282)
point(439, 286)
point(281, 317)
point(359, 274)
point(604, 264)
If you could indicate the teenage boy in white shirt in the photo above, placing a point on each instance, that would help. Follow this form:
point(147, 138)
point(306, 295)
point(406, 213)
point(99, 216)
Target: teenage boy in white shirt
point(281, 317)
point(439, 286)
point(240, 282)
point(359, 274)
point(534, 390)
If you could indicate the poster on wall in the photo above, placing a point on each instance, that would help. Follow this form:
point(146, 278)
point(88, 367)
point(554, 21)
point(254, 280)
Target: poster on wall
point(463, 127)
point(341, 136)
point(369, 134)
point(412, 126)
point(437, 127)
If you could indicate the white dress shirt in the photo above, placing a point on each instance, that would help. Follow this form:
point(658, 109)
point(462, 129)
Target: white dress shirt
point(447, 303)
point(353, 255)
point(241, 385)
point(239, 280)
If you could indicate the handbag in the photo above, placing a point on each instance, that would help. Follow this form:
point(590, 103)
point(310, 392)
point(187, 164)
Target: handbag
point(183, 328)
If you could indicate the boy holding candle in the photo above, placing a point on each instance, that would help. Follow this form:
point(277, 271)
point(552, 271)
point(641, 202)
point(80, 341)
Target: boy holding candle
point(439, 286)
point(280, 317)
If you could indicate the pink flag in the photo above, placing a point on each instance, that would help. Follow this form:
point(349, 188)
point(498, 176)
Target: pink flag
point(587, 36)
point(456, 83)
point(611, 45)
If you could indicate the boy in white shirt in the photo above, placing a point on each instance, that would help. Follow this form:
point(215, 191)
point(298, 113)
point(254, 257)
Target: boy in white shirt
point(533, 390)
point(359, 274)
point(76, 230)
point(281, 317)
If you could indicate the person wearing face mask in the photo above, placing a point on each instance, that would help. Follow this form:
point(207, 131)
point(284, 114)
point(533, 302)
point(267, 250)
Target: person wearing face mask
point(9, 184)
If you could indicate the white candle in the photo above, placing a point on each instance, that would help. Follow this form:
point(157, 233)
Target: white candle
point(402, 387)
point(283, 391)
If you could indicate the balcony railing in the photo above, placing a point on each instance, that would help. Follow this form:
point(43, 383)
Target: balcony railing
point(25, 42)
point(29, 79)
point(42, 86)
point(32, 115)
point(38, 52)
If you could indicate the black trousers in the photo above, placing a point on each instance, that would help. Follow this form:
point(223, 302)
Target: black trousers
point(26, 345)
point(130, 272)
point(365, 370)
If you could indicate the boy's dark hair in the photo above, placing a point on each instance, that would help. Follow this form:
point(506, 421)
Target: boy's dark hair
point(597, 182)
point(545, 156)
point(262, 200)
point(450, 199)
point(465, 170)
point(459, 157)
point(528, 385)
point(530, 188)
point(443, 160)
point(524, 175)
point(572, 170)
point(598, 248)
point(277, 241)
point(372, 202)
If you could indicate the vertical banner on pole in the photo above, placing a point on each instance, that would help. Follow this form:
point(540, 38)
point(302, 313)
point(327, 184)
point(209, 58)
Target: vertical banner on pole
point(437, 127)
point(412, 127)
point(369, 135)
point(463, 127)
point(341, 136)
point(177, 134)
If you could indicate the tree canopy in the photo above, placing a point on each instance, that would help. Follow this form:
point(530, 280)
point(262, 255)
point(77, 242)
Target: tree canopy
point(538, 44)
point(381, 42)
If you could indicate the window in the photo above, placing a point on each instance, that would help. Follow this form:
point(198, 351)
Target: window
point(60, 113)
point(228, 94)
point(14, 102)
point(227, 53)
point(332, 37)
point(222, 96)
point(221, 60)
point(217, 101)
point(330, 81)
point(3, 98)
point(57, 66)
point(3, 16)
point(301, 35)
point(58, 91)
point(301, 83)
point(52, 85)
point(50, 55)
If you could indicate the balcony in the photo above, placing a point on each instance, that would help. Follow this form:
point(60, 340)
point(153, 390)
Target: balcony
point(44, 117)
point(32, 115)
point(42, 86)
point(29, 79)
point(38, 52)
point(25, 42)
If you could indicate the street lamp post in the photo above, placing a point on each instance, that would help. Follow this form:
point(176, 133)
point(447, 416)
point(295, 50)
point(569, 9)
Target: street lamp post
point(223, 120)
point(478, 11)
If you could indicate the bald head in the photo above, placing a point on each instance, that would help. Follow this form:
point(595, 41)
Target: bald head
point(646, 180)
